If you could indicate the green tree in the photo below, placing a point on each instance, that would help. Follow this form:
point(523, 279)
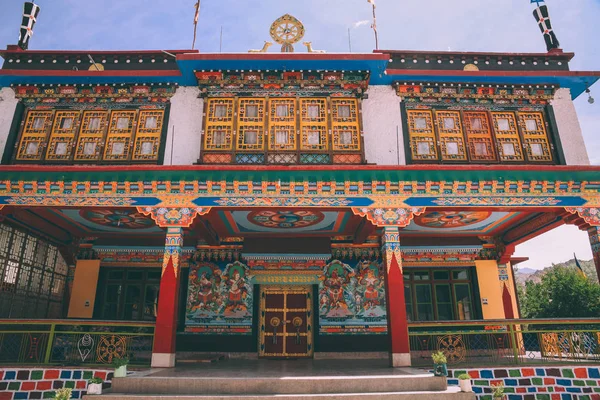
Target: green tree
point(562, 293)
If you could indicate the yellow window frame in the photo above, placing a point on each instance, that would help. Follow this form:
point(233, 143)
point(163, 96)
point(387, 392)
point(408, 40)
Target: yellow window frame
point(282, 124)
point(508, 140)
point(311, 124)
point(451, 136)
point(33, 138)
point(62, 139)
point(91, 139)
point(147, 138)
point(215, 123)
point(421, 137)
point(119, 140)
point(537, 145)
point(340, 124)
point(247, 123)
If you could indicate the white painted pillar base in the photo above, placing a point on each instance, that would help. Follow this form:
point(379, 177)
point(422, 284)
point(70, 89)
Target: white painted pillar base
point(163, 360)
point(400, 359)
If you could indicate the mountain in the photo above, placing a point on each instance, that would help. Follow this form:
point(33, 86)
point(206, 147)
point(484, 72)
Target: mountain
point(529, 274)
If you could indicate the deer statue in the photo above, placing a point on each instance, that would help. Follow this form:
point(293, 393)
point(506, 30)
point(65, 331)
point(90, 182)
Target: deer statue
point(263, 50)
point(310, 48)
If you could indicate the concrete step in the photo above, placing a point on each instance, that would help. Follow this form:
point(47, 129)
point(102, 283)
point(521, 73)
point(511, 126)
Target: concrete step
point(451, 393)
point(280, 385)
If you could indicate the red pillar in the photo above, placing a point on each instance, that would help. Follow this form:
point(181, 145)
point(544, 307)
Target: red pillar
point(594, 234)
point(395, 301)
point(163, 353)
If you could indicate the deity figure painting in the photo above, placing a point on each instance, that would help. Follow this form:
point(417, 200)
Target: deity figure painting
point(352, 299)
point(219, 298)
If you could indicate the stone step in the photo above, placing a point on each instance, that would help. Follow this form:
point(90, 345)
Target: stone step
point(452, 393)
point(315, 384)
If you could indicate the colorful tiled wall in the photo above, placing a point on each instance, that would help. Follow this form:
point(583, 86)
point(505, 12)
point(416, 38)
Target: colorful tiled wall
point(535, 383)
point(36, 383)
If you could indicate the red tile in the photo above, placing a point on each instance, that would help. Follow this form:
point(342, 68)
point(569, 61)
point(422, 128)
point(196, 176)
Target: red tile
point(80, 385)
point(542, 389)
point(27, 386)
point(100, 374)
point(549, 381)
point(559, 389)
point(6, 396)
point(555, 396)
point(581, 373)
point(521, 390)
point(474, 374)
point(595, 397)
point(497, 382)
point(44, 385)
point(51, 374)
point(527, 372)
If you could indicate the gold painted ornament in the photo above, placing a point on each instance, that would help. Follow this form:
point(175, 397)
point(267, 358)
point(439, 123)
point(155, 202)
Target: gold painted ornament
point(287, 30)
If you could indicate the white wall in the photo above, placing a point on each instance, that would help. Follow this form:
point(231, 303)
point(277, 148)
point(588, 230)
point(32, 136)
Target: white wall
point(382, 125)
point(186, 119)
point(569, 129)
point(8, 103)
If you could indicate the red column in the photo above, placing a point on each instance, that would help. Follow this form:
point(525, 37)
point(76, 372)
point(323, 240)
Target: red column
point(395, 301)
point(594, 234)
point(163, 353)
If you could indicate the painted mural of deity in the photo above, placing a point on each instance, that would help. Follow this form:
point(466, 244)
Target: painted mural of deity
point(219, 298)
point(352, 299)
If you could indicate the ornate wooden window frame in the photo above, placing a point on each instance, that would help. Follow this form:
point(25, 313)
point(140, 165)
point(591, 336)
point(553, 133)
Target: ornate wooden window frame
point(80, 143)
point(298, 125)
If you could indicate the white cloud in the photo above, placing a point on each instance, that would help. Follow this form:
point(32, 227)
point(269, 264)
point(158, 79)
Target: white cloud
point(361, 23)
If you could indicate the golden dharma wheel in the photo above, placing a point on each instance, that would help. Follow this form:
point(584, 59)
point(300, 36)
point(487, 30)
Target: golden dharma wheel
point(286, 31)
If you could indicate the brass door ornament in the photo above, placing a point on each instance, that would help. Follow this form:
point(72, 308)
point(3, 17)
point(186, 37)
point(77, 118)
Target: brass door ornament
point(275, 322)
point(297, 322)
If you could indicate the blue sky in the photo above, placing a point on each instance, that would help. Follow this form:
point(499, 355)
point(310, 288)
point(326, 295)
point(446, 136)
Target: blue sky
point(461, 25)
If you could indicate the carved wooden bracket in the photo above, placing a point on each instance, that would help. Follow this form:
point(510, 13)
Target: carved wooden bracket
point(590, 215)
point(173, 216)
point(382, 217)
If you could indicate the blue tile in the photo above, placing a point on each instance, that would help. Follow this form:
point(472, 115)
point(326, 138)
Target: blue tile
point(76, 395)
point(76, 375)
point(65, 374)
point(515, 397)
point(10, 375)
point(532, 389)
point(21, 395)
point(477, 389)
point(574, 390)
point(563, 382)
point(594, 373)
point(453, 382)
point(540, 372)
point(566, 396)
point(486, 374)
point(510, 382)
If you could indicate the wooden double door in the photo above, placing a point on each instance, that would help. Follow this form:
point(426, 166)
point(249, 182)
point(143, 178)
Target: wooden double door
point(286, 326)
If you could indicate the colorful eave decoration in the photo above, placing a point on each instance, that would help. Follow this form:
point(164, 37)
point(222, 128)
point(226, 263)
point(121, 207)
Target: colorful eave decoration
point(116, 93)
point(310, 83)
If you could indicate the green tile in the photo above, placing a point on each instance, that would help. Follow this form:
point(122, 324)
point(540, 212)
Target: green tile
point(509, 389)
point(591, 383)
point(456, 373)
point(550, 389)
point(542, 396)
point(486, 397)
point(584, 397)
point(568, 373)
point(14, 386)
point(70, 384)
point(37, 375)
point(87, 374)
point(49, 395)
point(597, 389)
point(578, 382)
point(481, 383)
point(514, 373)
point(537, 381)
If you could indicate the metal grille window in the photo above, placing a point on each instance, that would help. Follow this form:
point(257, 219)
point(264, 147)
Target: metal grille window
point(32, 276)
point(75, 136)
point(456, 135)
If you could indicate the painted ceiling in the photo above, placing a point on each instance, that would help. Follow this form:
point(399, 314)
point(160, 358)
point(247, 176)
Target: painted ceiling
point(284, 221)
point(105, 220)
point(460, 222)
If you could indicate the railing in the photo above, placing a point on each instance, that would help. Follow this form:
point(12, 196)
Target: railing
point(507, 342)
point(74, 342)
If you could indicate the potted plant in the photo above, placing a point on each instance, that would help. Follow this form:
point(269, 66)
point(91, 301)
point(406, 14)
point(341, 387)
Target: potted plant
point(439, 364)
point(498, 391)
point(63, 394)
point(464, 381)
point(95, 385)
point(120, 365)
